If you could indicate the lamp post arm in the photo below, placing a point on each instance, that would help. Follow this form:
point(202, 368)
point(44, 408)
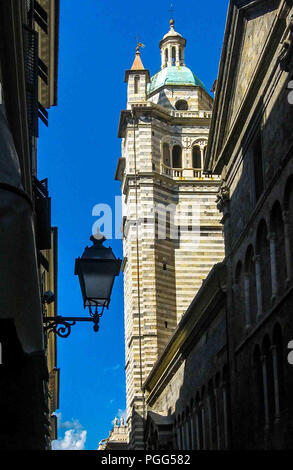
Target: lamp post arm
point(62, 325)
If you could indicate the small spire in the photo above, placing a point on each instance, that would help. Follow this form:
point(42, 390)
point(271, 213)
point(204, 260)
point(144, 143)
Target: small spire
point(137, 63)
point(172, 9)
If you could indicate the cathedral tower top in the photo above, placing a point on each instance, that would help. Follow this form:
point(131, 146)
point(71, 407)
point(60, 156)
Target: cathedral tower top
point(137, 63)
point(172, 48)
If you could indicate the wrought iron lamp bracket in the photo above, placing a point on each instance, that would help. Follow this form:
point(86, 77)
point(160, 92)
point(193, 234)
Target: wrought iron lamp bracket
point(62, 325)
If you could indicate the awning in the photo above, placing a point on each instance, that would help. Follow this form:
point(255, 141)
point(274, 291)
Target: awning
point(19, 283)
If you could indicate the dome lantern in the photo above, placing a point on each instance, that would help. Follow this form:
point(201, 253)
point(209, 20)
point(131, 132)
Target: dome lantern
point(172, 48)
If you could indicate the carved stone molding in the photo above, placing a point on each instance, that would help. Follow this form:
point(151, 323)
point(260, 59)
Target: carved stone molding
point(223, 198)
point(286, 53)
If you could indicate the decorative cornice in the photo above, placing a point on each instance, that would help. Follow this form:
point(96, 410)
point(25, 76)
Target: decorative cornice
point(286, 53)
point(174, 117)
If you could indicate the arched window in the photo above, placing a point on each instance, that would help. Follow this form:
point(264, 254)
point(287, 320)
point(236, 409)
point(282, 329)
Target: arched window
point(179, 438)
point(196, 157)
point(166, 56)
point(288, 206)
point(183, 438)
point(157, 447)
point(177, 156)
point(250, 301)
point(203, 418)
point(181, 105)
point(258, 390)
point(173, 55)
point(180, 54)
point(192, 425)
point(277, 227)
point(268, 377)
point(198, 423)
point(238, 299)
point(219, 411)
point(225, 380)
point(263, 250)
point(278, 361)
point(166, 155)
point(188, 429)
point(136, 84)
point(212, 416)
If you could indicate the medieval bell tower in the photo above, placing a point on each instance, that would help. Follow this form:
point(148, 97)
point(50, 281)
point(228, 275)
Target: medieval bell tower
point(171, 231)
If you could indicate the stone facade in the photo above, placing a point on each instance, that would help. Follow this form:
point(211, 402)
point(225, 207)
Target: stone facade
point(171, 230)
point(256, 173)
point(118, 437)
point(224, 380)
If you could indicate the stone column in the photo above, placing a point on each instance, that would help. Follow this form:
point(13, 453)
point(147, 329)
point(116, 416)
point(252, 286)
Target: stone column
point(265, 389)
point(210, 423)
point(183, 442)
point(163, 58)
point(258, 285)
point(287, 246)
point(216, 393)
point(272, 239)
point(225, 410)
point(177, 61)
point(247, 300)
point(201, 157)
point(203, 427)
point(197, 431)
point(178, 437)
point(276, 383)
point(170, 55)
point(187, 434)
point(192, 427)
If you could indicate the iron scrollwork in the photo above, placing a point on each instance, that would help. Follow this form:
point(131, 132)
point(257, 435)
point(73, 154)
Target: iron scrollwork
point(61, 326)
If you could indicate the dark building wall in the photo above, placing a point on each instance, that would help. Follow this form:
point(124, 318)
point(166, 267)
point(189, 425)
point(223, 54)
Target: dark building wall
point(23, 404)
point(24, 398)
point(188, 401)
point(256, 167)
point(238, 394)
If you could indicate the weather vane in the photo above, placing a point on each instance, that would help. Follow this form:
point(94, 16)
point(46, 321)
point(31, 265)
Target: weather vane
point(139, 44)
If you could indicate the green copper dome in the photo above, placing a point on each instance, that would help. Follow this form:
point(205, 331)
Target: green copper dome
point(174, 75)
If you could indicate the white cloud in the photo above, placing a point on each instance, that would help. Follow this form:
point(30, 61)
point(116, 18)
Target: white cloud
point(74, 424)
point(113, 368)
point(74, 437)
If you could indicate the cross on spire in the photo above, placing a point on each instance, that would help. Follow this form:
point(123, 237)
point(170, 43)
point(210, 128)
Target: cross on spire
point(172, 10)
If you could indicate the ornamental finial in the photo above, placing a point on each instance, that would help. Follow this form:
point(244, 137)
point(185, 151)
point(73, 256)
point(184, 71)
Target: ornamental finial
point(172, 9)
point(98, 238)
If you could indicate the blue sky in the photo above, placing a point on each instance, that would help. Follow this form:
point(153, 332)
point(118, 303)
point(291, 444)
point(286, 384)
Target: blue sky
point(79, 152)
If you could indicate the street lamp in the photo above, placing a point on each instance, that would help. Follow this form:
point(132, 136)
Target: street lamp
point(96, 270)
